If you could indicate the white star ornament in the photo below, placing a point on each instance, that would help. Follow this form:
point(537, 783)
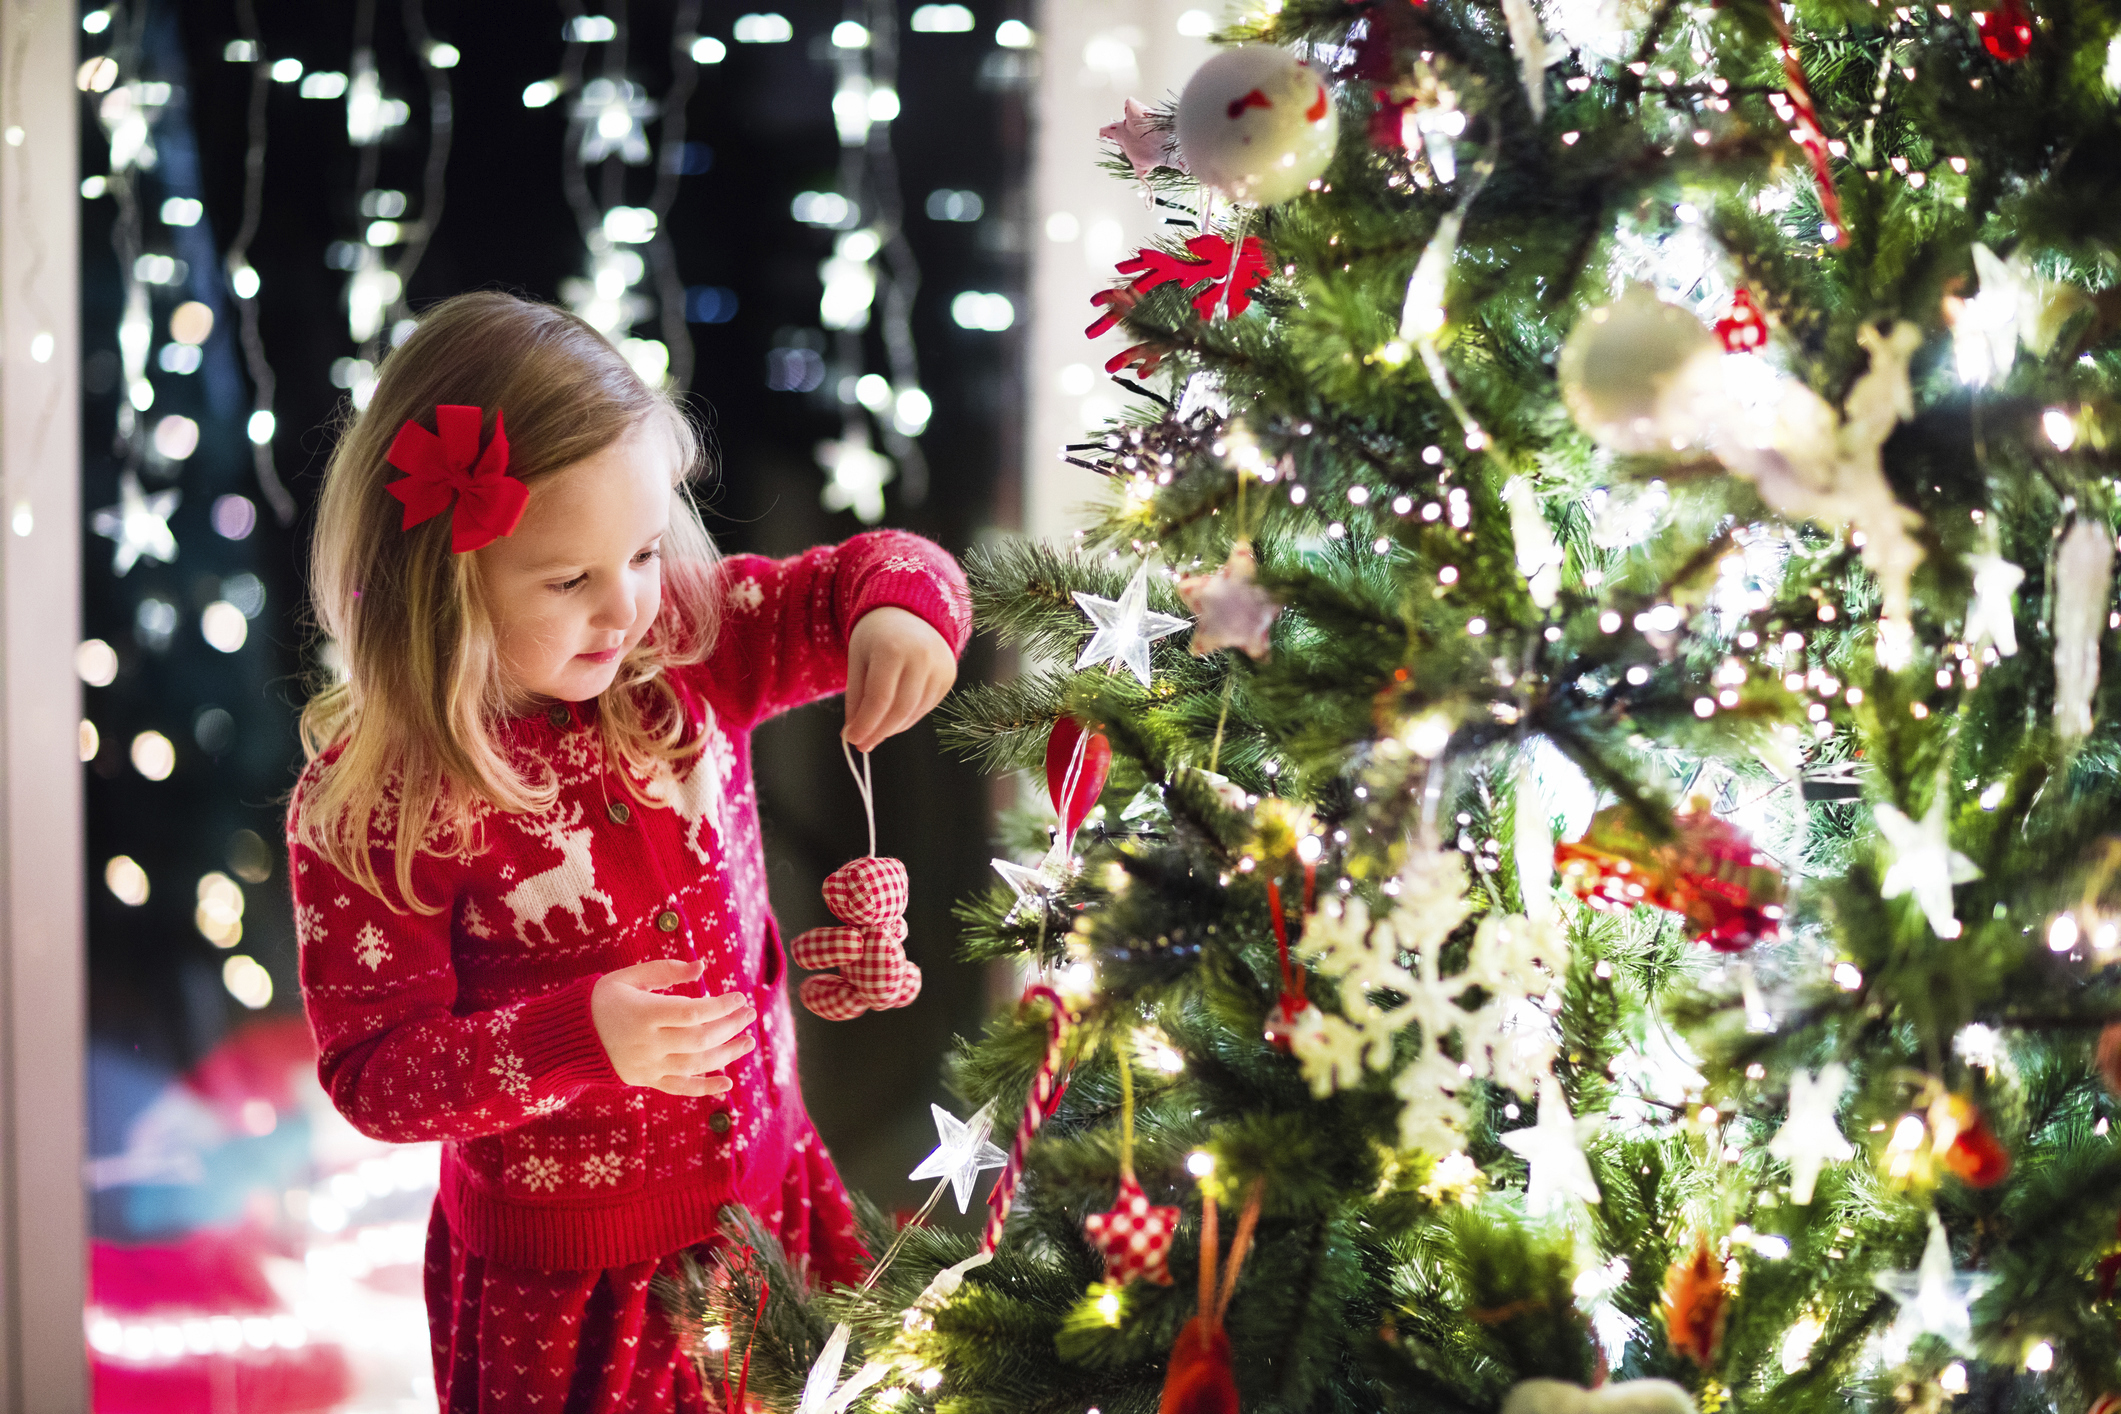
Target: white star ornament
point(1810, 1137)
point(1934, 1299)
point(1126, 626)
point(139, 523)
point(1554, 1149)
point(857, 475)
point(1989, 615)
point(1924, 864)
point(963, 1153)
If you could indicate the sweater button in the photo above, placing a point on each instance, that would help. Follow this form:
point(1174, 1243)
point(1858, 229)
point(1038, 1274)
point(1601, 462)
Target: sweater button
point(667, 920)
point(719, 1121)
point(558, 715)
point(618, 812)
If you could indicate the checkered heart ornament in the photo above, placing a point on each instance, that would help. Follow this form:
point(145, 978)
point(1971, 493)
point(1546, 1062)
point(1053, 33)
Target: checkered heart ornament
point(860, 963)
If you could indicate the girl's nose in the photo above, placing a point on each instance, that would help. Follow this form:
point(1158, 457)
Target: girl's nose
point(616, 608)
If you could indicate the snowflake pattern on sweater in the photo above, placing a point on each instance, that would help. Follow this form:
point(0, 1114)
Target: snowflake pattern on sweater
point(473, 1025)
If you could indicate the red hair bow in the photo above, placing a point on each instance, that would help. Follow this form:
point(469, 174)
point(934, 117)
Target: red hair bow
point(450, 467)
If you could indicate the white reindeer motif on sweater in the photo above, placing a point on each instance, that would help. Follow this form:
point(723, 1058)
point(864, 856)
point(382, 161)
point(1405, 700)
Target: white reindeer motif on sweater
point(699, 797)
point(570, 884)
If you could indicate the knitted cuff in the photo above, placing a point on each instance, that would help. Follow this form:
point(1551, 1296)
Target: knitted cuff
point(561, 1048)
point(928, 584)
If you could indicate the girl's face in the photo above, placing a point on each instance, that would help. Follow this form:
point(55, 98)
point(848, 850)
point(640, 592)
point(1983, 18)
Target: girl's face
point(579, 583)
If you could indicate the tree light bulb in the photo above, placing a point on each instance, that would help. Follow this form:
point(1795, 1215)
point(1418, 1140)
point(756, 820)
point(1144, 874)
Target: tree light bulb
point(2062, 933)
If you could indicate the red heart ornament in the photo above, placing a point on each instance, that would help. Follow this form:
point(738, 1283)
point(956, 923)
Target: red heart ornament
point(1090, 772)
point(1198, 1380)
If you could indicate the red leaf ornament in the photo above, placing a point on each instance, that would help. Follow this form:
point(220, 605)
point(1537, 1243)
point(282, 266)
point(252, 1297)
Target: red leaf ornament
point(1230, 279)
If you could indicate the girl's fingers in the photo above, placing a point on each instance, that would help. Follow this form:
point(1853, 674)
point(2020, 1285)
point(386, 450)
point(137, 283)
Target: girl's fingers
point(879, 691)
point(654, 976)
point(712, 1056)
point(857, 687)
point(697, 1086)
point(686, 1013)
point(909, 706)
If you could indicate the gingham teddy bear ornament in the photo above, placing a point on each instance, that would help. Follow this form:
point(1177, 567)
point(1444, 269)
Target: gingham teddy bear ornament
point(868, 946)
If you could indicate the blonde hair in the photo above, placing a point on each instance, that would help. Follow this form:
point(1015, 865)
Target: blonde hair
point(417, 696)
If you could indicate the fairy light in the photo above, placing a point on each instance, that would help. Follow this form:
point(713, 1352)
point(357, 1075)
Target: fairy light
point(872, 270)
point(2062, 934)
point(629, 246)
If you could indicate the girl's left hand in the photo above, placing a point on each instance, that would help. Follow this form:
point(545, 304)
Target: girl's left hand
point(898, 668)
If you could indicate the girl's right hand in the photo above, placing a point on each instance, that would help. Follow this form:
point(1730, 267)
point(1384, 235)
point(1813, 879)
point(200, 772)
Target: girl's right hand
point(672, 1044)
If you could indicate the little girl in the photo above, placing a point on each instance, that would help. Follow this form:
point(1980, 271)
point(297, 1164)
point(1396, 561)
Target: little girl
point(525, 854)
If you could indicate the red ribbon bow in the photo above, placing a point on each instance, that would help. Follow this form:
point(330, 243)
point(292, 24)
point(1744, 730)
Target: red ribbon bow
point(451, 468)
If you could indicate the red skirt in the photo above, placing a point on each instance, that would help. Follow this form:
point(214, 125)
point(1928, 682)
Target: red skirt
point(599, 1342)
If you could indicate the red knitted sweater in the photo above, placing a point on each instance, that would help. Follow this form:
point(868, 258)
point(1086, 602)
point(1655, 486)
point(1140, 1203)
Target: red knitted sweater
point(473, 1025)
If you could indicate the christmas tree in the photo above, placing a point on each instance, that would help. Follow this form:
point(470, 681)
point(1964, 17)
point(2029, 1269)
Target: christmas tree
point(1617, 891)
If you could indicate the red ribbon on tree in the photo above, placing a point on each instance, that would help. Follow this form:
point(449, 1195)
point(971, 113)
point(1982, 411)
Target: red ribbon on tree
point(449, 467)
point(1803, 119)
point(1281, 1022)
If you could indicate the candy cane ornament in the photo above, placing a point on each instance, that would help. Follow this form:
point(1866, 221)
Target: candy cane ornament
point(1047, 1087)
point(861, 962)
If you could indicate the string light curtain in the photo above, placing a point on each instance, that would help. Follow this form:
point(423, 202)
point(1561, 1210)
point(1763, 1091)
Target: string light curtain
point(871, 272)
point(629, 248)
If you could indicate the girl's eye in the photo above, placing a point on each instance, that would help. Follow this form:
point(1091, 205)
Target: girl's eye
point(653, 552)
point(569, 586)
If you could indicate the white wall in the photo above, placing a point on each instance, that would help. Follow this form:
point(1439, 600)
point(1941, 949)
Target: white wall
point(1094, 55)
point(43, 1256)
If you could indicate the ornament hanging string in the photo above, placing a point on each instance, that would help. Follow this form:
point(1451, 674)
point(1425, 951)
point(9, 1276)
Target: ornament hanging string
point(1292, 980)
point(1425, 299)
point(1048, 1084)
point(1215, 1304)
point(1126, 1108)
point(1237, 250)
point(865, 785)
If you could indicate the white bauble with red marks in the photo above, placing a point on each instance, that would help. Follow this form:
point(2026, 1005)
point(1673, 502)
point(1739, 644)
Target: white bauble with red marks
point(1257, 124)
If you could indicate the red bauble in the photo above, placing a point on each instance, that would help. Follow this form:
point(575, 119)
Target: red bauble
point(1744, 327)
point(1695, 1304)
point(1709, 871)
point(1388, 121)
point(1281, 1022)
point(1972, 1151)
point(1199, 1381)
point(1090, 772)
point(2007, 30)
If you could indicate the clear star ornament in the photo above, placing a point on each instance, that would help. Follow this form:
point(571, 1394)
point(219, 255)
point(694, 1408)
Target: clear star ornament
point(1126, 626)
point(964, 1152)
